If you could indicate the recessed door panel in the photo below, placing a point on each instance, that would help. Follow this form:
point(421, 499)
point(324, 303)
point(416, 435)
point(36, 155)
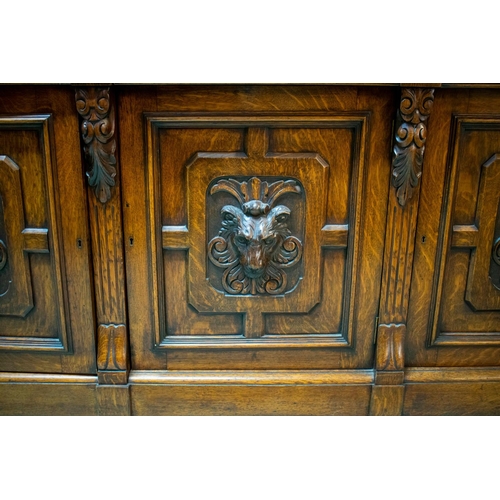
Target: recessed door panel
point(467, 308)
point(40, 268)
point(463, 322)
point(254, 240)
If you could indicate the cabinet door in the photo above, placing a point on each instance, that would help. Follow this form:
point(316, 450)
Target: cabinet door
point(255, 225)
point(46, 320)
point(454, 317)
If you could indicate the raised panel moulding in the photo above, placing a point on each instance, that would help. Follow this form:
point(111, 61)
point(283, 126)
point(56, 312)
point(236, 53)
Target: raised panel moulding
point(248, 212)
point(21, 241)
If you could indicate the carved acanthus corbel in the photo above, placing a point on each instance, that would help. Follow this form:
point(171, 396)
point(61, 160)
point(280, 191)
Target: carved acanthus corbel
point(98, 128)
point(409, 144)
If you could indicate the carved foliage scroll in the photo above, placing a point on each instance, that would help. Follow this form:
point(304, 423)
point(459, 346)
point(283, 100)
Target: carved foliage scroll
point(95, 106)
point(98, 129)
point(408, 154)
point(409, 145)
point(255, 245)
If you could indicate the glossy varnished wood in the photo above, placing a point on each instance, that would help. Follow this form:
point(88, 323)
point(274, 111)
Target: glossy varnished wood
point(54, 394)
point(38, 132)
point(114, 223)
point(402, 208)
point(296, 125)
point(250, 400)
point(96, 107)
point(443, 328)
point(479, 398)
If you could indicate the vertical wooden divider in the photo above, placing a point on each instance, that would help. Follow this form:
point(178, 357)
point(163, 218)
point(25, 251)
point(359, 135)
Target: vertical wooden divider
point(408, 154)
point(96, 108)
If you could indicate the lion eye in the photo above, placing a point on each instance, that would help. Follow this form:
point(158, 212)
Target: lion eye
point(241, 240)
point(269, 241)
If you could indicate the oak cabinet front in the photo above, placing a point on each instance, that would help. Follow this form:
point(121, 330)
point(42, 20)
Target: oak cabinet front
point(254, 229)
point(250, 249)
point(46, 311)
point(454, 314)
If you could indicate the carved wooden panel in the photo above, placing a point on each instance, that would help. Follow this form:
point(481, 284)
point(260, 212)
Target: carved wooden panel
point(254, 224)
point(466, 299)
point(44, 223)
point(99, 145)
point(46, 314)
point(15, 279)
point(409, 144)
point(96, 107)
point(33, 309)
point(254, 239)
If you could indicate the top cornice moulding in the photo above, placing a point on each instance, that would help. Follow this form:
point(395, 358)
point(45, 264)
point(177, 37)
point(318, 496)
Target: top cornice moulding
point(219, 84)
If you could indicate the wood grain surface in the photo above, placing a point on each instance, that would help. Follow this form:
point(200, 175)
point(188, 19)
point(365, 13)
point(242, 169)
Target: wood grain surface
point(147, 239)
point(39, 132)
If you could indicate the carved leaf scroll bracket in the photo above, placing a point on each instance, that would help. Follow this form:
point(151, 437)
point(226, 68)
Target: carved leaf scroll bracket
point(409, 144)
point(255, 245)
point(99, 145)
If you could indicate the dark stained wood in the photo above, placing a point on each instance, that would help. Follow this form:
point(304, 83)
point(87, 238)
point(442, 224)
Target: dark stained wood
point(256, 377)
point(250, 400)
point(96, 107)
point(6, 377)
point(483, 290)
point(113, 400)
point(112, 354)
point(390, 347)
point(36, 240)
point(47, 396)
point(173, 140)
point(461, 300)
point(386, 400)
point(256, 98)
point(438, 314)
point(38, 133)
point(15, 288)
point(452, 399)
point(409, 143)
point(250, 250)
point(464, 236)
point(402, 209)
point(438, 374)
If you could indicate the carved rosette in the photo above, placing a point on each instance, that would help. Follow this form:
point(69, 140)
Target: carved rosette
point(97, 130)
point(255, 245)
point(409, 145)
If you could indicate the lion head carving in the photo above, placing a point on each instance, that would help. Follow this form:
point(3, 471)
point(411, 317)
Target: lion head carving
point(255, 243)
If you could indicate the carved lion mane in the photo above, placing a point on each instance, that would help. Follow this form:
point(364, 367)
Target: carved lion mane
point(254, 243)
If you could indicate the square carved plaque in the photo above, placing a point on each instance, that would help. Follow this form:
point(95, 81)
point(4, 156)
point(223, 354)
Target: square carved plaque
point(254, 224)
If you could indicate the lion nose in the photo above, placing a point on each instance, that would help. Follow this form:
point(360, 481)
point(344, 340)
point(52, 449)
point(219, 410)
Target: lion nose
point(254, 260)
